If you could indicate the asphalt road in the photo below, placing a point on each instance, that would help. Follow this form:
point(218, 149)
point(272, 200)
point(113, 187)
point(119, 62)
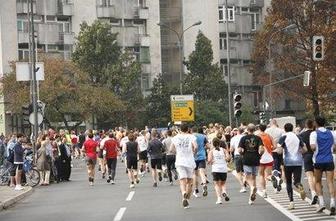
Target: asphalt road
point(76, 200)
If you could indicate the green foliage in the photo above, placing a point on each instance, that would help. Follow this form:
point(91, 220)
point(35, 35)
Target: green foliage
point(204, 79)
point(210, 112)
point(158, 103)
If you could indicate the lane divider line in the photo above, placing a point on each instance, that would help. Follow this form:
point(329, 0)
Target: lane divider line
point(119, 214)
point(130, 196)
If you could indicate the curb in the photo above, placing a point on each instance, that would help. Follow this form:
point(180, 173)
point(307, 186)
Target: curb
point(10, 202)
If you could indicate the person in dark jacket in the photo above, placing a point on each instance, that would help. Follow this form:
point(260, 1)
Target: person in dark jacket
point(64, 160)
point(18, 161)
point(155, 151)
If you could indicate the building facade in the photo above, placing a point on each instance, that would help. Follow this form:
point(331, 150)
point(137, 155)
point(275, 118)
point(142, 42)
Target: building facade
point(57, 22)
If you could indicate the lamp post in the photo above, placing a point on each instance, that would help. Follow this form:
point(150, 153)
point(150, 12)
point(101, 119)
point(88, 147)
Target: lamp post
point(180, 41)
point(270, 71)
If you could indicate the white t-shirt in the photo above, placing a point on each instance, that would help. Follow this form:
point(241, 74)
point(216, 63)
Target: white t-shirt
point(184, 152)
point(219, 164)
point(234, 143)
point(275, 133)
point(123, 141)
point(142, 142)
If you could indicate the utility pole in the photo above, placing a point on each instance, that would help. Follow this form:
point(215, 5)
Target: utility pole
point(228, 61)
point(33, 81)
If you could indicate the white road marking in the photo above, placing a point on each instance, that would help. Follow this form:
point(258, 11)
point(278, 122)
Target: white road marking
point(119, 214)
point(130, 196)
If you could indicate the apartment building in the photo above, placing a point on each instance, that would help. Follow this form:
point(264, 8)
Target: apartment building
point(57, 22)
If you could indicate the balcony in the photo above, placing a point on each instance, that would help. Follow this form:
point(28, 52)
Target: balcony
point(66, 38)
point(143, 40)
point(141, 13)
point(48, 33)
point(23, 37)
point(65, 8)
point(106, 11)
point(22, 7)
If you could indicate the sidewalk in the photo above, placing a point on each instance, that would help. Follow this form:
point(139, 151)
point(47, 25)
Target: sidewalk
point(9, 197)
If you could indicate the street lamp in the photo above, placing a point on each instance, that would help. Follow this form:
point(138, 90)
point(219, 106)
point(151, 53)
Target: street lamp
point(180, 40)
point(270, 71)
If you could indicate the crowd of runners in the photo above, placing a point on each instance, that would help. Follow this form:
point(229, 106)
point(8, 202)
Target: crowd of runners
point(256, 155)
point(272, 154)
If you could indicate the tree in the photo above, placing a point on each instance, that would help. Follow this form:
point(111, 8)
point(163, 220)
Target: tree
point(66, 92)
point(204, 79)
point(158, 103)
point(98, 54)
point(95, 49)
point(292, 51)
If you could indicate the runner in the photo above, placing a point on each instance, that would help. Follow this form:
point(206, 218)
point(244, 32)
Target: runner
point(276, 133)
point(322, 142)
point(155, 150)
point(200, 160)
point(308, 159)
point(90, 148)
point(143, 145)
point(293, 160)
point(185, 147)
point(238, 159)
point(217, 158)
point(251, 147)
point(266, 160)
point(170, 157)
point(111, 148)
point(131, 149)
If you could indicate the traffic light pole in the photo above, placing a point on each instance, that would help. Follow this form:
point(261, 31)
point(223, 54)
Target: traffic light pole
point(228, 61)
point(33, 81)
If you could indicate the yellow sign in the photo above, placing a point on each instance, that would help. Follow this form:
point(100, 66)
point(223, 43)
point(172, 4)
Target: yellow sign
point(182, 108)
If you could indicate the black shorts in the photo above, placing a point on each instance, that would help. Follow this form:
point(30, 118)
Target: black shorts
point(324, 166)
point(200, 164)
point(164, 159)
point(219, 176)
point(14, 168)
point(308, 162)
point(132, 163)
point(238, 161)
point(143, 155)
point(156, 164)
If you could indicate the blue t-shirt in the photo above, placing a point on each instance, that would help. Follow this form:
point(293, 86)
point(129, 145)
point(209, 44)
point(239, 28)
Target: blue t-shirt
point(201, 141)
point(325, 142)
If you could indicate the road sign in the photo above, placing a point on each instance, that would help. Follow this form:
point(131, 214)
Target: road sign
point(39, 118)
point(23, 73)
point(182, 108)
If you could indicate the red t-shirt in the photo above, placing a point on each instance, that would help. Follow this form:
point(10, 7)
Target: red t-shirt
point(111, 148)
point(90, 148)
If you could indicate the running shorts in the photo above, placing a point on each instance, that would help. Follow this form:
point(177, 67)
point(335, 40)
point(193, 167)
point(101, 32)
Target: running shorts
point(219, 176)
point(308, 162)
point(185, 172)
point(132, 163)
point(143, 155)
point(156, 164)
point(251, 170)
point(14, 168)
point(200, 164)
point(267, 164)
point(324, 166)
point(238, 161)
point(90, 161)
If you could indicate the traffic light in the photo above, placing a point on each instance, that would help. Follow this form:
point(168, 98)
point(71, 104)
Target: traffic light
point(237, 105)
point(318, 48)
point(262, 117)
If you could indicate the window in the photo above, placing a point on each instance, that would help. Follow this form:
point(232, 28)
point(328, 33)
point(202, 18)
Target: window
point(222, 43)
point(64, 27)
point(144, 55)
point(222, 13)
point(255, 20)
point(52, 48)
point(51, 18)
point(115, 22)
point(145, 79)
point(22, 26)
point(23, 54)
point(225, 69)
point(105, 3)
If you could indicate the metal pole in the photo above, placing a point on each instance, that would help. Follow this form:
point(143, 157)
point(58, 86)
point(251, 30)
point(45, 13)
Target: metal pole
point(228, 61)
point(270, 78)
point(182, 65)
point(33, 71)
